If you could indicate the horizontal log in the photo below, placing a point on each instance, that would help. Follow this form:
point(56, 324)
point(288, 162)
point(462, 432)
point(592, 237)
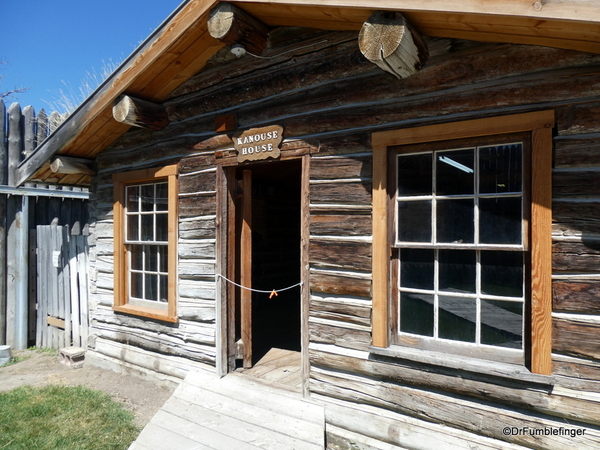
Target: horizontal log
point(340, 224)
point(503, 391)
point(140, 113)
point(341, 311)
point(69, 165)
point(575, 184)
point(195, 163)
point(197, 229)
point(340, 254)
point(577, 151)
point(388, 40)
point(198, 205)
point(482, 418)
point(358, 338)
point(576, 338)
point(576, 218)
point(341, 167)
point(200, 182)
point(232, 25)
point(340, 284)
point(355, 192)
point(579, 118)
point(576, 296)
point(576, 256)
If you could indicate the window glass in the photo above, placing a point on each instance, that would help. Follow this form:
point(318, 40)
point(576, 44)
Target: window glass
point(502, 323)
point(502, 273)
point(500, 169)
point(417, 270)
point(500, 220)
point(147, 197)
point(416, 313)
point(414, 221)
point(162, 197)
point(457, 318)
point(133, 199)
point(455, 221)
point(454, 172)
point(457, 270)
point(414, 174)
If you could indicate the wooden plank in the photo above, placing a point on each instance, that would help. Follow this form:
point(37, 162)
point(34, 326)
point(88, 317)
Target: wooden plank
point(154, 436)
point(305, 272)
point(381, 248)
point(75, 298)
point(340, 224)
point(576, 295)
point(15, 141)
point(56, 322)
point(246, 269)
point(29, 141)
point(541, 250)
point(342, 254)
point(576, 255)
point(576, 338)
point(340, 283)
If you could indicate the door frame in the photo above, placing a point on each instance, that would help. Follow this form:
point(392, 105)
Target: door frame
point(225, 267)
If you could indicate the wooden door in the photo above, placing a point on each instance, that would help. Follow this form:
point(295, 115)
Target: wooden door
point(246, 269)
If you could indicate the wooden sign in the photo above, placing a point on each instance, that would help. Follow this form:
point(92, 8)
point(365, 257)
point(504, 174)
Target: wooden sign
point(258, 143)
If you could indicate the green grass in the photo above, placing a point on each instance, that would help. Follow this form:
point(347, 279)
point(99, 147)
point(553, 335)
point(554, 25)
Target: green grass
point(65, 418)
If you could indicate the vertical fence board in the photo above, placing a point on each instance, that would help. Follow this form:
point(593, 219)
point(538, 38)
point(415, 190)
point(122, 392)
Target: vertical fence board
point(75, 298)
point(32, 285)
point(3, 179)
point(28, 131)
point(82, 271)
point(42, 126)
point(15, 141)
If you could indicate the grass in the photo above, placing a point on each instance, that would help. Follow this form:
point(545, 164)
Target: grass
point(62, 417)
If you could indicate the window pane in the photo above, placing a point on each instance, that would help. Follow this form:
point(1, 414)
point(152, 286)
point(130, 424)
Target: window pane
point(133, 198)
point(457, 270)
point(416, 314)
point(137, 284)
point(151, 287)
point(414, 221)
point(148, 197)
point(416, 268)
point(414, 174)
point(455, 221)
point(163, 258)
point(136, 257)
point(163, 288)
point(133, 227)
point(162, 227)
point(502, 324)
point(500, 169)
point(500, 221)
point(502, 273)
point(457, 318)
point(148, 227)
point(454, 172)
point(151, 258)
point(162, 197)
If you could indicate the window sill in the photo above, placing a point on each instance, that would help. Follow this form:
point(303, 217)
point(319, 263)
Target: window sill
point(507, 371)
point(149, 313)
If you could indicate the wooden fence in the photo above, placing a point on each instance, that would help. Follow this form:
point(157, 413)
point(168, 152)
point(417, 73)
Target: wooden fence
point(22, 210)
point(62, 286)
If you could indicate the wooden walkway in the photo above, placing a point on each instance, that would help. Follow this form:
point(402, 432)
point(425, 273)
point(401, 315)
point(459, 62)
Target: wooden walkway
point(237, 412)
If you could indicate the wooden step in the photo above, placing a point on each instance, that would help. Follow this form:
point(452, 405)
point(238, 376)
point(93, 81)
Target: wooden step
point(235, 412)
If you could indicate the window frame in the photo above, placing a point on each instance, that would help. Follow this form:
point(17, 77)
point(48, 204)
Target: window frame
point(121, 260)
point(538, 320)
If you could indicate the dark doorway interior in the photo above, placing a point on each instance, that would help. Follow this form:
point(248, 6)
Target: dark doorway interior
point(276, 204)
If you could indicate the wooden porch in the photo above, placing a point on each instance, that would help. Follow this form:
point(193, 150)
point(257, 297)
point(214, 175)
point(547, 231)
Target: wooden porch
point(239, 411)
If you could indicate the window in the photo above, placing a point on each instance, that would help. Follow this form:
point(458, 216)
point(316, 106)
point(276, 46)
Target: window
point(145, 214)
point(466, 222)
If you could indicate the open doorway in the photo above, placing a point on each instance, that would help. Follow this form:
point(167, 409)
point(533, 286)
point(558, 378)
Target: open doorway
point(268, 257)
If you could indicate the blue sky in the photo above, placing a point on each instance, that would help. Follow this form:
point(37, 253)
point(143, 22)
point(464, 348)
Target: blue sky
point(61, 44)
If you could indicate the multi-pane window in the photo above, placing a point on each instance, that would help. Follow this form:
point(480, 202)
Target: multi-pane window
point(147, 242)
point(145, 216)
point(460, 238)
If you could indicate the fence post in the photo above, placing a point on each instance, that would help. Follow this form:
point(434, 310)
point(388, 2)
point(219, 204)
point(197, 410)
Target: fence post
point(3, 172)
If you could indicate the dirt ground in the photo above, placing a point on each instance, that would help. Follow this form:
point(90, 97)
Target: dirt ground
point(141, 396)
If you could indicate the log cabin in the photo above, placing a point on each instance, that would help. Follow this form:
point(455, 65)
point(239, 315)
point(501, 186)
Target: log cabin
point(404, 194)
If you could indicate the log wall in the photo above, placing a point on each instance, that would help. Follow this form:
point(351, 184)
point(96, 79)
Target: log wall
point(320, 89)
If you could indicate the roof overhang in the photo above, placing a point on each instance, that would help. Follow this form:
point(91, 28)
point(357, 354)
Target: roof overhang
point(181, 47)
